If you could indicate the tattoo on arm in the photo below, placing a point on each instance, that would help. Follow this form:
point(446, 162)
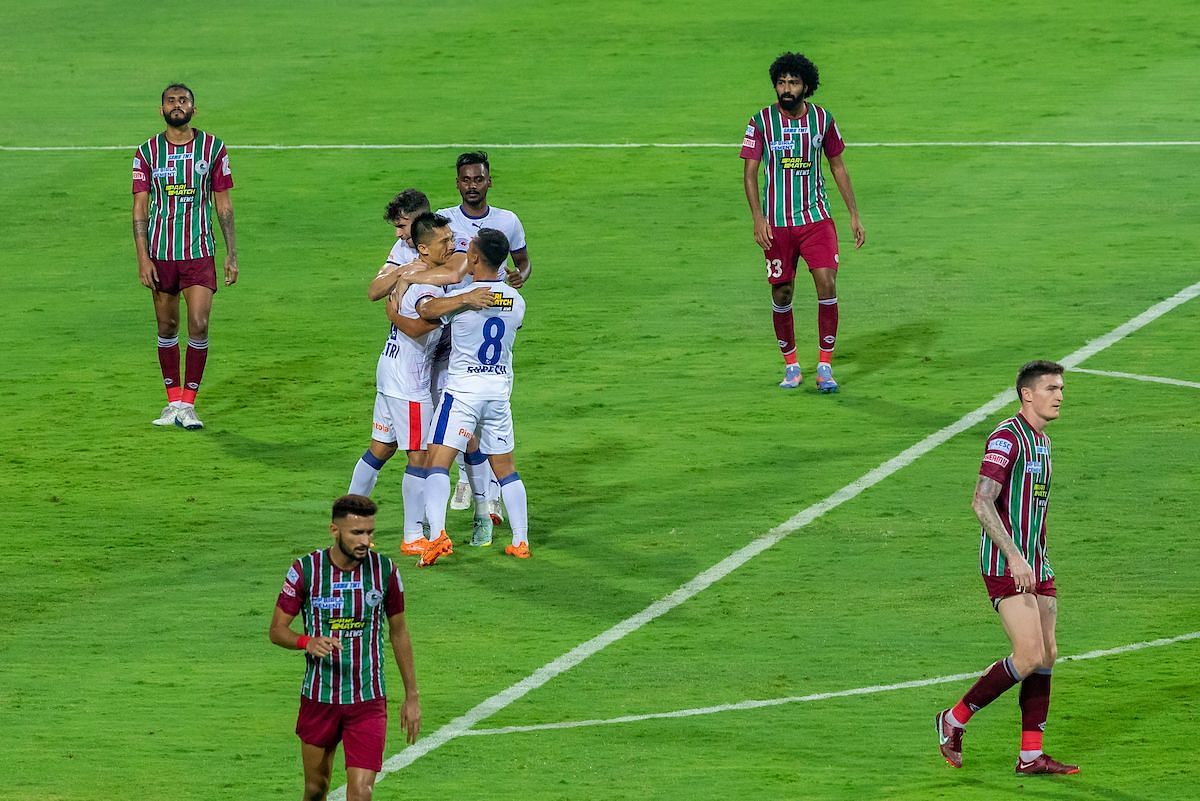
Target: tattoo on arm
point(225, 216)
point(141, 230)
point(987, 490)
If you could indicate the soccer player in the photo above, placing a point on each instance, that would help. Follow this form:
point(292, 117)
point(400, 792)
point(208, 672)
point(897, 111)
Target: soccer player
point(474, 179)
point(791, 217)
point(177, 175)
point(1011, 500)
point(403, 398)
point(345, 593)
point(476, 399)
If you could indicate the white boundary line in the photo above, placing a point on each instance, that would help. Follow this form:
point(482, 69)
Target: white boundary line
point(800, 699)
point(1154, 379)
point(490, 706)
point(598, 146)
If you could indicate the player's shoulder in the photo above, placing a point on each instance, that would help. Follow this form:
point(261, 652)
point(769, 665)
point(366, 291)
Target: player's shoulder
point(762, 114)
point(209, 136)
point(1006, 430)
point(401, 251)
point(144, 147)
point(453, 212)
point(384, 563)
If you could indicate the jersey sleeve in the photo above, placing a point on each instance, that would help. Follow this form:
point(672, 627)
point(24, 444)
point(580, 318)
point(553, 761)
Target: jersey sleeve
point(393, 597)
point(414, 295)
point(752, 143)
point(997, 456)
point(222, 177)
point(397, 255)
point(517, 240)
point(141, 173)
point(292, 596)
point(832, 144)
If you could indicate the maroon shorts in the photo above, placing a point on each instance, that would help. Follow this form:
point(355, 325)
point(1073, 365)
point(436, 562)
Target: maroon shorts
point(361, 728)
point(1001, 587)
point(816, 243)
point(177, 274)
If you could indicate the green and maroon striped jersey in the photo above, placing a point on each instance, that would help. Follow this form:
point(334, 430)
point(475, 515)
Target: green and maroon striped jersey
point(791, 148)
point(1018, 457)
point(352, 606)
point(181, 180)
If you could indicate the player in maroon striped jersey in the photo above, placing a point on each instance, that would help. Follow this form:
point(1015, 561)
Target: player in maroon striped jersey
point(1011, 499)
point(345, 593)
point(176, 175)
point(791, 216)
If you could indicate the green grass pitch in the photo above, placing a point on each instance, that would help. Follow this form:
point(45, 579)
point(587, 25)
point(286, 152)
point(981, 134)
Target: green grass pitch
point(142, 564)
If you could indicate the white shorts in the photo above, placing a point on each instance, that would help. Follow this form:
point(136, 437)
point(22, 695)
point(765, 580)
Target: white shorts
point(457, 419)
point(401, 421)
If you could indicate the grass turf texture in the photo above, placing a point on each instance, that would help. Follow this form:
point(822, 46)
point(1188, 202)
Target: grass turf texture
point(652, 439)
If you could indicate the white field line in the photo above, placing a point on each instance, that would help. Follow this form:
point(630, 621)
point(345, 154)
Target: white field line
point(490, 706)
point(1154, 379)
point(800, 699)
point(598, 145)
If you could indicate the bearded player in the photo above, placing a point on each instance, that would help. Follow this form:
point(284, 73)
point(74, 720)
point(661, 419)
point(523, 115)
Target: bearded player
point(177, 175)
point(791, 216)
point(1012, 497)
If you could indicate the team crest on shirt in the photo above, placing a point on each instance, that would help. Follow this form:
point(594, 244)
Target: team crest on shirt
point(373, 598)
point(201, 167)
point(816, 141)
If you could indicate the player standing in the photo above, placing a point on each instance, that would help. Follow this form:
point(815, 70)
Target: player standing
point(345, 593)
point(1011, 501)
point(474, 179)
point(476, 400)
point(791, 217)
point(176, 176)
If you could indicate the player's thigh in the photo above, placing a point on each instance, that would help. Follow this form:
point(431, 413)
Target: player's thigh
point(1022, 622)
point(166, 312)
point(453, 423)
point(817, 244)
point(783, 256)
point(496, 434)
point(383, 428)
point(1048, 611)
point(318, 764)
point(199, 307)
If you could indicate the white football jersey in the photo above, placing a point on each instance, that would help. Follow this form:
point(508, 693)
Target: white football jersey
point(482, 345)
point(405, 364)
point(465, 227)
point(402, 253)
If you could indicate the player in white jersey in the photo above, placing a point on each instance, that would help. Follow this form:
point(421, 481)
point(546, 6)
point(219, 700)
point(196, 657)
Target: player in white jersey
point(475, 402)
point(403, 399)
point(474, 179)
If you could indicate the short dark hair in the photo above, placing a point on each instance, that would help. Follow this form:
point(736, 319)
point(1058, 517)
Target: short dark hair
point(359, 505)
point(1028, 375)
point(421, 228)
point(474, 157)
point(182, 86)
point(493, 246)
point(797, 65)
point(406, 203)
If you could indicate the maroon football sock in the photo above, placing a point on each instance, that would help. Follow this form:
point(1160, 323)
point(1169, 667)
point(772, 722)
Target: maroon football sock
point(785, 331)
point(168, 362)
point(827, 325)
point(1035, 706)
point(994, 682)
point(193, 371)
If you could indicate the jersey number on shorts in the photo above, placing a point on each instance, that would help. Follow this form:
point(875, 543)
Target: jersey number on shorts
point(774, 268)
point(493, 334)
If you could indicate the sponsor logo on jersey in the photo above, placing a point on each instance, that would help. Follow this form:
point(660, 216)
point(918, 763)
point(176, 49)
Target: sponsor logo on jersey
point(996, 459)
point(795, 163)
point(789, 132)
point(164, 172)
point(293, 575)
point(788, 145)
point(1040, 491)
point(748, 142)
point(1034, 467)
point(373, 598)
point(489, 369)
point(347, 626)
point(138, 175)
point(1041, 450)
point(347, 585)
point(750, 130)
point(201, 167)
point(321, 602)
point(181, 191)
point(1000, 444)
point(289, 590)
point(179, 157)
point(500, 302)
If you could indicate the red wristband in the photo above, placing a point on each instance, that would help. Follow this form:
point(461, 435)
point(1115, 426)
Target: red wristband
point(302, 642)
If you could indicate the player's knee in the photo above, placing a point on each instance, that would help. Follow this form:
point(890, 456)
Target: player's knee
point(168, 328)
point(315, 789)
point(782, 294)
point(1028, 656)
point(383, 450)
point(197, 327)
point(1050, 656)
point(359, 788)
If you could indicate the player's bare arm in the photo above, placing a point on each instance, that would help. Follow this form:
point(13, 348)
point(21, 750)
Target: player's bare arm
point(762, 229)
point(987, 490)
point(224, 206)
point(522, 268)
point(453, 271)
point(408, 326)
point(410, 710)
point(147, 274)
point(281, 634)
point(480, 297)
point(392, 278)
point(842, 177)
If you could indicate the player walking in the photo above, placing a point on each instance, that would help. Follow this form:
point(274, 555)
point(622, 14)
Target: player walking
point(177, 176)
point(1011, 501)
point(476, 399)
point(791, 217)
point(474, 179)
point(345, 593)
